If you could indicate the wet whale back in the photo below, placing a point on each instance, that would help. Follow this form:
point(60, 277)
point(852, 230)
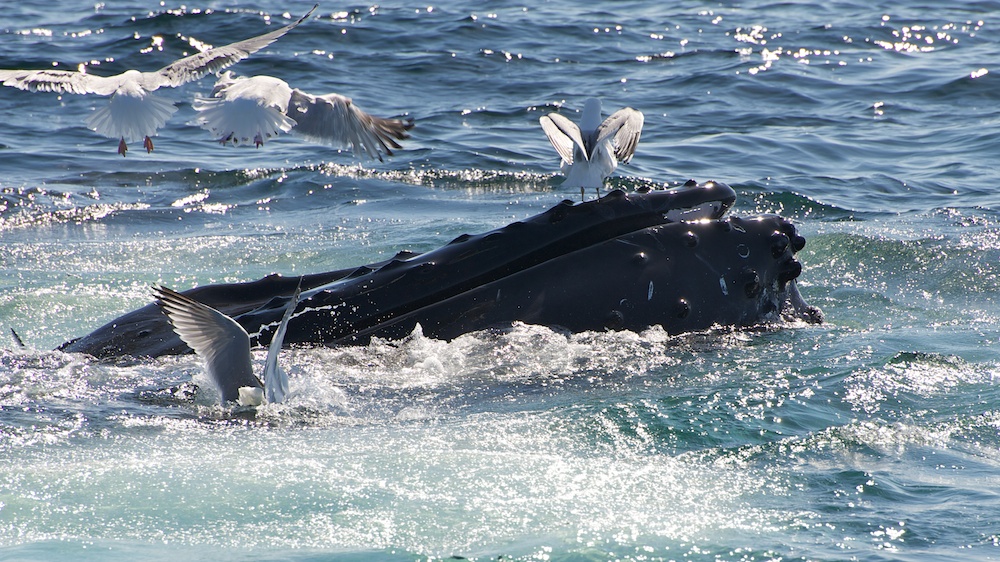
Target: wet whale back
point(620, 262)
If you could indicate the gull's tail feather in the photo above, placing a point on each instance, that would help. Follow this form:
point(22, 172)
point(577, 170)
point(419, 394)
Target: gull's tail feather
point(131, 117)
point(250, 396)
point(241, 120)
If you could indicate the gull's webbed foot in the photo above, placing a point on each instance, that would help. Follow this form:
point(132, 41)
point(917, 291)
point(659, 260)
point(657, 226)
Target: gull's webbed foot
point(148, 145)
point(122, 147)
point(258, 141)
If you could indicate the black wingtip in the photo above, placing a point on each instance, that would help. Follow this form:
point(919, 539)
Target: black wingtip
point(159, 291)
point(166, 296)
point(309, 13)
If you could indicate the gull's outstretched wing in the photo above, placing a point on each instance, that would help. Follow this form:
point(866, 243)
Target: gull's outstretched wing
point(218, 339)
point(61, 81)
point(275, 379)
point(334, 119)
point(563, 134)
point(213, 60)
point(174, 74)
point(624, 127)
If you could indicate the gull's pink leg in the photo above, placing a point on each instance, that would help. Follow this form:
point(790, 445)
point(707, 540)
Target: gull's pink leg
point(148, 145)
point(258, 140)
point(122, 148)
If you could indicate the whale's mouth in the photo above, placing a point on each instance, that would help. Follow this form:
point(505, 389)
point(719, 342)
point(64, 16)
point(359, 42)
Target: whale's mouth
point(794, 306)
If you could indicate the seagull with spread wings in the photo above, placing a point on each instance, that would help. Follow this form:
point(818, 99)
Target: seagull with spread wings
point(133, 112)
point(244, 110)
point(224, 346)
point(592, 150)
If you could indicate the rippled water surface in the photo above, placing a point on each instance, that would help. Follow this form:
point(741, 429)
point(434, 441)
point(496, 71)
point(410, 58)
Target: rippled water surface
point(875, 436)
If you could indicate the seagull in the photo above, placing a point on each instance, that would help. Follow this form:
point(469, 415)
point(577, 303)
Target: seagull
point(224, 346)
point(133, 112)
point(255, 108)
point(592, 151)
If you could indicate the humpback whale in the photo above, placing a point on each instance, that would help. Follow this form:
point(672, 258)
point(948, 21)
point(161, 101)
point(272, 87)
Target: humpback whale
point(668, 257)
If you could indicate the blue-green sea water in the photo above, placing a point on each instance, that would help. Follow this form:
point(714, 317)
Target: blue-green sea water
point(874, 125)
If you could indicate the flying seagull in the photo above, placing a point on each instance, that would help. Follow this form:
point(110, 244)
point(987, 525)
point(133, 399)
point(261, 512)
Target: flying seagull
point(242, 110)
point(133, 112)
point(593, 150)
point(224, 346)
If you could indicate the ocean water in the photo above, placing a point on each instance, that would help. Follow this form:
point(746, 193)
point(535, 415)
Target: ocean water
point(875, 126)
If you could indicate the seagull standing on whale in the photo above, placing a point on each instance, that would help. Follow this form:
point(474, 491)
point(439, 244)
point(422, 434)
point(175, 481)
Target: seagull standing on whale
point(255, 108)
point(592, 150)
point(224, 346)
point(133, 112)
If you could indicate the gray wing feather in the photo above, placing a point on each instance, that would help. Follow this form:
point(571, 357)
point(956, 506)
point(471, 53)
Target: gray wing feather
point(219, 340)
point(213, 60)
point(275, 379)
point(62, 81)
point(174, 74)
point(563, 134)
point(335, 119)
point(624, 127)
